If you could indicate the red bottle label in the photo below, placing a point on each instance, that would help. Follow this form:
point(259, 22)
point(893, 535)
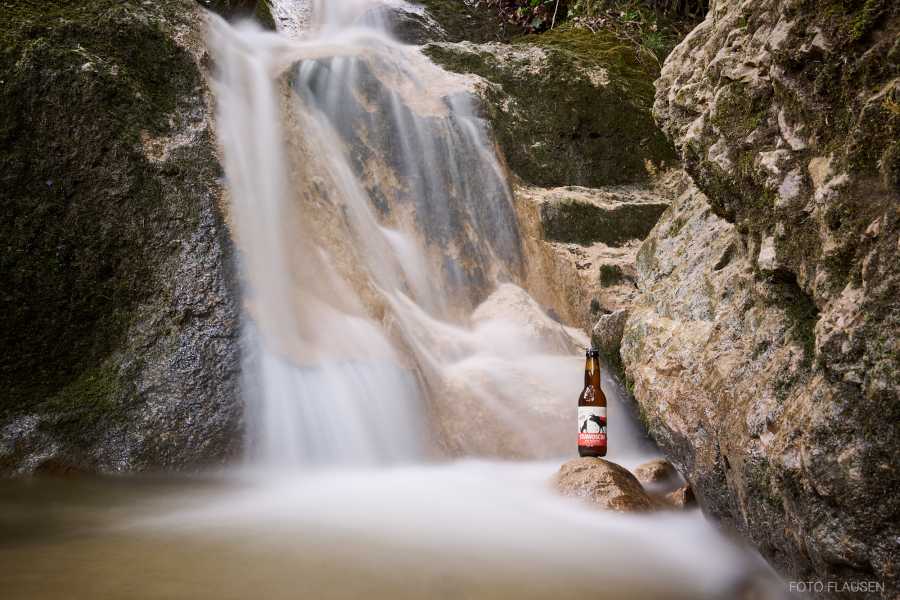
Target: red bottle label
point(592, 426)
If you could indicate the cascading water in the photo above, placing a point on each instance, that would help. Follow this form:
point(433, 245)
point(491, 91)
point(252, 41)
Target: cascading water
point(374, 217)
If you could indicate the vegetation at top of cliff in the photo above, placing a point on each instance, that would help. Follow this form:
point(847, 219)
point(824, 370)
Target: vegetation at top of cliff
point(85, 213)
point(654, 26)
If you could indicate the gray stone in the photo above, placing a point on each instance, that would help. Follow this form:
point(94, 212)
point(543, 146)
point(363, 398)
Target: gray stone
point(119, 324)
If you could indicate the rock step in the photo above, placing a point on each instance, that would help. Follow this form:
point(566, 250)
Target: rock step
point(611, 215)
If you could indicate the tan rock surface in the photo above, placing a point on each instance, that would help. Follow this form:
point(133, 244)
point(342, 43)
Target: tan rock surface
point(604, 484)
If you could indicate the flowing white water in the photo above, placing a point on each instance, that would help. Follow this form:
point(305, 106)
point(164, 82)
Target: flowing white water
point(373, 216)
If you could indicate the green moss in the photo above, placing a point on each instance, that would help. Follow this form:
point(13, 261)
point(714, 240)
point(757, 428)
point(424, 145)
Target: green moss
point(611, 275)
point(579, 222)
point(865, 19)
point(737, 112)
point(94, 391)
point(582, 117)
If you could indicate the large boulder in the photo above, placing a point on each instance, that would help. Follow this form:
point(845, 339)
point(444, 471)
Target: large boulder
point(721, 367)
point(764, 347)
point(764, 350)
point(604, 484)
point(119, 328)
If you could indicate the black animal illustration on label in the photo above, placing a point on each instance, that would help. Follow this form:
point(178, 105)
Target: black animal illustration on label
point(593, 424)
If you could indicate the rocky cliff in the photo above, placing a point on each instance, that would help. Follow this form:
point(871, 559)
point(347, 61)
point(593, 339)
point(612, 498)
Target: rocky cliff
point(764, 348)
point(119, 329)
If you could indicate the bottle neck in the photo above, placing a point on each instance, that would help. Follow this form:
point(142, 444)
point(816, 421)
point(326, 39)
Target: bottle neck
point(592, 371)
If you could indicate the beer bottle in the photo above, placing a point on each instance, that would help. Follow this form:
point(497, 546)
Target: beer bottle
point(592, 410)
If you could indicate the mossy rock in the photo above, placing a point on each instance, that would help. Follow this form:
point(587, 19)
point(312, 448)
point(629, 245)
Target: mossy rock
point(94, 225)
point(571, 220)
point(568, 107)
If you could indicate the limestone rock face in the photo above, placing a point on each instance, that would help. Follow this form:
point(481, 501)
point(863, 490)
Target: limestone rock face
point(764, 349)
point(730, 384)
point(604, 484)
point(599, 277)
point(119, 332)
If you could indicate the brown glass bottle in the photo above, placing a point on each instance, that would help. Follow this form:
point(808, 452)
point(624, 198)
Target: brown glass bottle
point(592, 410)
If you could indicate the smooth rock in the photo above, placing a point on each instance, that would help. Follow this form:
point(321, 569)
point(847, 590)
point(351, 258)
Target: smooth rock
point(612, 216)
point(562, 107)
point(655, 471)
point(604, 484)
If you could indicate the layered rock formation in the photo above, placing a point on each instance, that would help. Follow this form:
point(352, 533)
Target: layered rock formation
point(763, 350)
point(119, 320)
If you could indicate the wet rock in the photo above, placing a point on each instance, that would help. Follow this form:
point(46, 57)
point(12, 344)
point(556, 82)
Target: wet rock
point(119, 329)
point(607, 337)
point(471, 21)
point(581, 282)
point(683, 497)
point(258, 10)
point(604, 484)
point(655, 471)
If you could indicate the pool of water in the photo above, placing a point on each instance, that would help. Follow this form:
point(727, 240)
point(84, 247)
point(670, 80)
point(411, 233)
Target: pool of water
point(469, 529)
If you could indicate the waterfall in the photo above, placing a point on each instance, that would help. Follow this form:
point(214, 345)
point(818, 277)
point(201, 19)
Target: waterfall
point(386, 322)
point(381, 256)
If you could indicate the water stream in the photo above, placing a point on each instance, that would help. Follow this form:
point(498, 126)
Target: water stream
point(407, 400)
